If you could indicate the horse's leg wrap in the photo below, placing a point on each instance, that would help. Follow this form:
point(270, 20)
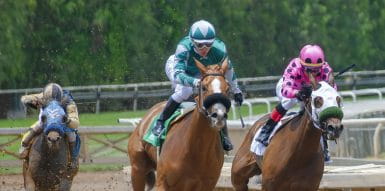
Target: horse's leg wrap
point(227, 145)
point(168, 110)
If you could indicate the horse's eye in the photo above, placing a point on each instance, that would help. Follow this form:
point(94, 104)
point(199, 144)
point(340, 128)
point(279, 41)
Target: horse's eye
point(338, 98)
point(204, 88)
point(43, 118)
point(318, 102)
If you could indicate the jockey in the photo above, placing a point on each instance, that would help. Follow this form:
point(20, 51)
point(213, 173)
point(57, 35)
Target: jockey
point(201, 44)
point(52, 92)
point(295, 87)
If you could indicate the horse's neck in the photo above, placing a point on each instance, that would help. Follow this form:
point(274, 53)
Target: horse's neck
point(48, 156)
point(199, 133)
point(309, 136)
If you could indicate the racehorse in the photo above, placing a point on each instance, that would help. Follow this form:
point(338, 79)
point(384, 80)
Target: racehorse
point(191, 157)
point(46, 167)
point(294, 158)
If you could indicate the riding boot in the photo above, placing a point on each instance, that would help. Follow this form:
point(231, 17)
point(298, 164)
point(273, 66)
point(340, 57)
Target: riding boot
point(266, 131)
point(275, 116)
point(168, 110)
point(226, 142)
point(74, 159)
point(326, 154)
point(25, 144)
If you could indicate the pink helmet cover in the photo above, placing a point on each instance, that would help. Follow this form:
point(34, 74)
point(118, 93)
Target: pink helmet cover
point(312, 56)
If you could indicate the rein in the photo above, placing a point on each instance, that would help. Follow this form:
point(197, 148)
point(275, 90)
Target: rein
point(316, 123)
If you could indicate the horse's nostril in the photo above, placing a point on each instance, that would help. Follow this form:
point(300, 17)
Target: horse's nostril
point(214, 115)
point(53, 139)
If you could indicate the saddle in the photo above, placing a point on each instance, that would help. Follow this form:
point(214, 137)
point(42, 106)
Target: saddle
point(184, 109)
point(257, 147)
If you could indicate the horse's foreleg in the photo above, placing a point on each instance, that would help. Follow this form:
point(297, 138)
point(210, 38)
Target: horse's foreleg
point(29, 184)
point(138, 178)
point(243, 168)
point(65, 184)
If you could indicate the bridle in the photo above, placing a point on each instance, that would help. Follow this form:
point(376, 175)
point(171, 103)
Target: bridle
point(201, 107)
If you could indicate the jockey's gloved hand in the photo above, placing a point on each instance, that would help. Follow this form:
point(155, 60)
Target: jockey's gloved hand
point(304, 93)
point(238, 98)
point(197, 83)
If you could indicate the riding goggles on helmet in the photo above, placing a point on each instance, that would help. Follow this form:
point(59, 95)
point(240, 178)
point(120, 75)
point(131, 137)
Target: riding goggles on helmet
point(313, 67)
point(201, 45)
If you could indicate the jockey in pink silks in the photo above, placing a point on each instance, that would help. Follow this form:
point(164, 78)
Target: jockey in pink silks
point(294, 87)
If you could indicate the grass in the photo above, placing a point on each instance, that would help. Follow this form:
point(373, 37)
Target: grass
point(90, 119)
point(109, 118)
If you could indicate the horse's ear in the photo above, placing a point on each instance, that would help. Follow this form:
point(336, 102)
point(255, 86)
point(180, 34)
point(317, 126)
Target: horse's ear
point(225, 66)
point(65, 119)
point(43, 118)
point(313, 82)
point(331, 79)
point(200, 66)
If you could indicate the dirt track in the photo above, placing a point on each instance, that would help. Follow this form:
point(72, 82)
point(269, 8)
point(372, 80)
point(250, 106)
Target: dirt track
point(93, 181)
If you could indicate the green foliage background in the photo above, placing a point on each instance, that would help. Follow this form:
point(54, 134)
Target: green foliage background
point(88, 42)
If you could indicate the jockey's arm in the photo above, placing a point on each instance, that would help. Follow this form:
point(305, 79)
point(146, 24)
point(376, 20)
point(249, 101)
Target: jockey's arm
point(73, 115)
point(232, 79)
point(33, 100)
point(288, 90)
point(180, 75)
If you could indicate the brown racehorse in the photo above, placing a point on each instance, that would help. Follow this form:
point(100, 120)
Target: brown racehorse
point(46, 167)
point(191, 157)
point(293, 160)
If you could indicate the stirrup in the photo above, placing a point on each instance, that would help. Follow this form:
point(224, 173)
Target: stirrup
point(158, 129)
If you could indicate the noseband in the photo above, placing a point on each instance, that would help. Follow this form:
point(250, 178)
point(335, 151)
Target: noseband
point(201, 104)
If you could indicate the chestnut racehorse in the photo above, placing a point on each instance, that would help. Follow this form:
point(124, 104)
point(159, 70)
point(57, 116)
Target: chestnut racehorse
point(191, 157)
point(46, 167)
point(294, 158)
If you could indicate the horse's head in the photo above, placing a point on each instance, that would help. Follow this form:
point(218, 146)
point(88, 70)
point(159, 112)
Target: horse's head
point(53, 118)
point(326, 109)
point(213, 99)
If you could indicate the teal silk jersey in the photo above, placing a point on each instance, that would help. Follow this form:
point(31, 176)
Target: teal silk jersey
point(186, 71)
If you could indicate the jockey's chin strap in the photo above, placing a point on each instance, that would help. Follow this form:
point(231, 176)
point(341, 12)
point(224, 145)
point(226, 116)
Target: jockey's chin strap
point(201, 108)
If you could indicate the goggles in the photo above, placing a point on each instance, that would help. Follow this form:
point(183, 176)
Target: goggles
point(201, 45)
point(311, 66)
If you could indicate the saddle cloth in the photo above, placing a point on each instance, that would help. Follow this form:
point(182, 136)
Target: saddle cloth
point(183, 110)
point(257, 147)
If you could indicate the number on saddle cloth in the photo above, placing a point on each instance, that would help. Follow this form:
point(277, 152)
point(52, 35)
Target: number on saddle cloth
point(183, 110)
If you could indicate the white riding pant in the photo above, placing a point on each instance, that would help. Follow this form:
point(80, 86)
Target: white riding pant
point(181, 92)
point(287, 103)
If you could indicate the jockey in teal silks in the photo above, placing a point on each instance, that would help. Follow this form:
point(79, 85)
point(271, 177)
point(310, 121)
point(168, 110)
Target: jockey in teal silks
point(203, 45)
point(294, 87)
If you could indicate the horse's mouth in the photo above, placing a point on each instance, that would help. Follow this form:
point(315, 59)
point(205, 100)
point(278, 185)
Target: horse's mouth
point(218, 116)
point(333, 128)
point(53, 139)
point(53, 146)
